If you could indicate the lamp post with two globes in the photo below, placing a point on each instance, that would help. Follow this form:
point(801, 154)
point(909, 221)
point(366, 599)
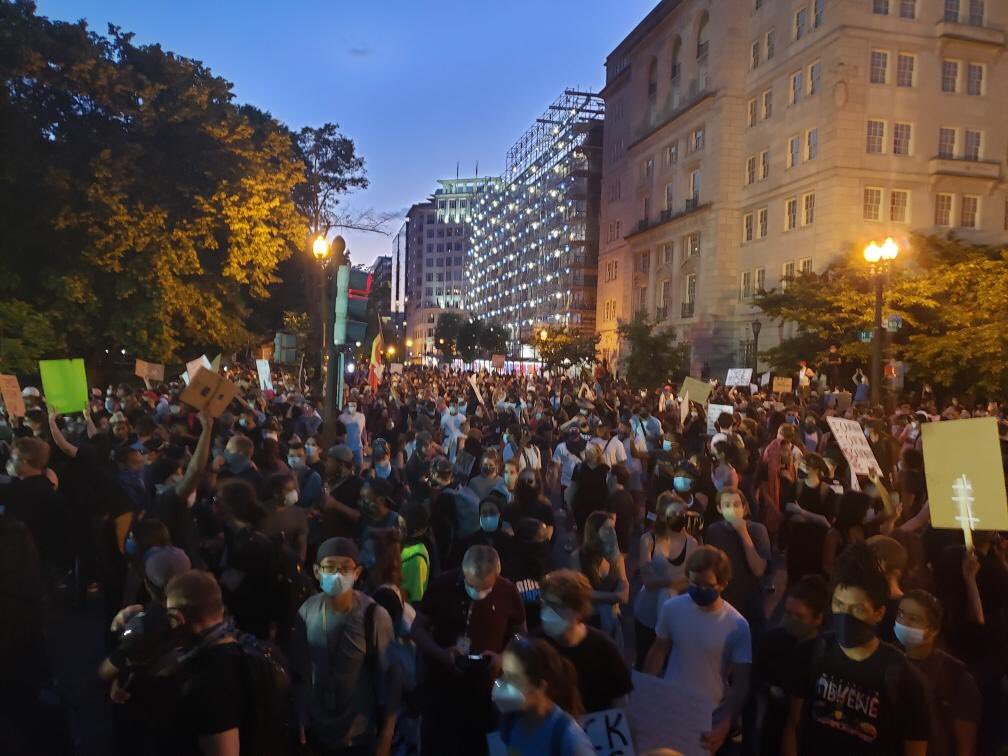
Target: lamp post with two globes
point(330, 255)
point(880, 258)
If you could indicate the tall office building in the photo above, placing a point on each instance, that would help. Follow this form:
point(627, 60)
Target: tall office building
point(534, 256)
point(437, 243)
point(747, 142)
point(397, 283)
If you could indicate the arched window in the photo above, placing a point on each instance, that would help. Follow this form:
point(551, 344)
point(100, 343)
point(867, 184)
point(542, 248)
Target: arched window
point(676, 58)
point(702, 37)
point(652, 79)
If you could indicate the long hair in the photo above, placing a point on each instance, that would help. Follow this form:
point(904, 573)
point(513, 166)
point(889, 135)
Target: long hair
point(545, 667)
point(593, 551)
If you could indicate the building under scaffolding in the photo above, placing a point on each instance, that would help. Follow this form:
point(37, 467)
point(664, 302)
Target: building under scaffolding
point(535, 234)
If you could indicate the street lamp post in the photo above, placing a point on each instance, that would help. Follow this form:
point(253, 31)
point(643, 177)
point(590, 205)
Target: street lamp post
point(756, 326)
point(879, 257)
point(332, 358)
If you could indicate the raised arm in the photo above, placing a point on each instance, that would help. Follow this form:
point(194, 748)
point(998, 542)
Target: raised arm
point(198, 461)
point(64, 446)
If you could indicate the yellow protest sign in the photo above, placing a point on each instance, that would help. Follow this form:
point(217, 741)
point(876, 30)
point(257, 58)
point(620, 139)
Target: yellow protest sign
point(699, 391)
point(965, 479)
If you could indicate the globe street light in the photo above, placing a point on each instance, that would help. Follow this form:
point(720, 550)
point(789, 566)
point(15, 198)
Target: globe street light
point(879, 257)
point(328, 254)
point(756, 326)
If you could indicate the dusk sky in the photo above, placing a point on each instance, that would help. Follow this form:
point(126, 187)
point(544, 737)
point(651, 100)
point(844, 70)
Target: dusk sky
point(419, 86)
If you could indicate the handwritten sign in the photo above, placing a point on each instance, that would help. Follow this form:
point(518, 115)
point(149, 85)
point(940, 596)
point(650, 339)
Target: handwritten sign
point(965, 477)
point(210, 391)
point(765, 379)
point(151, 371)
point(609, 732)
point(64, 383)
point(665, 714)
point(713, 413)
point(265, 379)
point(10, 390)
point(699, 391)
point(851, 439)
point(396, 368)
point(782, 384)
point(739, 377)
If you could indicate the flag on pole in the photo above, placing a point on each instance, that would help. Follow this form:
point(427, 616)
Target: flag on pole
point(375, 370)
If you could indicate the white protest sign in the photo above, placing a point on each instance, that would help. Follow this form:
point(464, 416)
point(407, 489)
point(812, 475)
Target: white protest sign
point(396, 368)
point(476, 390)
point(851, 439)
point(713, 413)
point(765, 379)
point(609, 732)
point(265, 379)
point(739, 377)
point(192, 367)
point(664, 714)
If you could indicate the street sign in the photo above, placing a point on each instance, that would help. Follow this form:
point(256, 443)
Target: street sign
point(893, 323)
point(865, 336)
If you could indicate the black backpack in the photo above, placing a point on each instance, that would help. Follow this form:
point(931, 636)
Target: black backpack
point(290, 583)
point(271, 719)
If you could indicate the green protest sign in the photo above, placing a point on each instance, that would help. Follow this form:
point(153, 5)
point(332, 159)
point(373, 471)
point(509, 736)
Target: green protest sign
point(64, 384)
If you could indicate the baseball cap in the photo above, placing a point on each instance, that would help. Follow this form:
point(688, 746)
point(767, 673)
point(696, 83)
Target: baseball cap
point(162, 563)
point(341, 453)
point(338, 547)
point(30, 391)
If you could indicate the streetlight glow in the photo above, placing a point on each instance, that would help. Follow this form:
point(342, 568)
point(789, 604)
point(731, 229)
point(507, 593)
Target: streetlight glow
point(873, 253)
point(543, 334)
point(320, 247)
point(889, 249)
point(391, 351)
point(409, 343)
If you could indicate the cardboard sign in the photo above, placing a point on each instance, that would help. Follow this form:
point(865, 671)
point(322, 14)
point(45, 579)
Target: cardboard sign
point(782, 384)
point(851, 439)
point(713, 413)
point(64, 383)
point(739, 377)
point(265, 379)
point(151, 371)
point(10, 390)
point(609, 732)
point(193, 366)
point(396, 368)
point(665, 714)
point(699, 391)
point(210, 391)
point(765, 379)
point(216, 363)
point(965, 478)
point(684, 409)
point(497, 361)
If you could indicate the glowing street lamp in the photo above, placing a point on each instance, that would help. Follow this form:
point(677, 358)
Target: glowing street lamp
point(320, 248)
point(879, 257)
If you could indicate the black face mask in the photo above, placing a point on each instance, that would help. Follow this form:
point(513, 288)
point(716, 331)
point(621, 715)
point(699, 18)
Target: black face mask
point(852, 632)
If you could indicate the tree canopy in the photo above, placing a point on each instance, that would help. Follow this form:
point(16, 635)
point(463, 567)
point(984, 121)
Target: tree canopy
point(563, 348)
point(654, 355)
point(140, 205)
point(950, 295)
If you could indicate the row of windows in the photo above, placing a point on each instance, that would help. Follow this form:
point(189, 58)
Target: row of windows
point(880, 72)
point(441, 262)
point(752, 281)
point(953, 11)
point(950, 209)
point(451, 275)
point(443, 232)
point(950, 139)
point(898, 206)
point(452, 204)
point(808, 19)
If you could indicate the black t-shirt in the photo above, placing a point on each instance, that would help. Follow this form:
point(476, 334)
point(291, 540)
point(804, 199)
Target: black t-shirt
point(177, 517)
point(621, 503)
point(38, 505)
point(346, 492)
point(602, 673)
point(853, 707)
point(214, 697)
point(953, 695)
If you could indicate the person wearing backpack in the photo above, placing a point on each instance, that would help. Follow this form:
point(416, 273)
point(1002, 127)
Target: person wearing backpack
point(538, 698)
point(345, 703)
point(230, 691)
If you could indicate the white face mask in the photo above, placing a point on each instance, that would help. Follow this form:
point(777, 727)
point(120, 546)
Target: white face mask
point(507, 697)
point(477, 595)
point(351, 408)
point(552, 623)
point(291, 498)
point(271, 434)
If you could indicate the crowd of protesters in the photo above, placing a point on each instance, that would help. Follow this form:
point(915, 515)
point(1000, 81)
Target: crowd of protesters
point(455, 554)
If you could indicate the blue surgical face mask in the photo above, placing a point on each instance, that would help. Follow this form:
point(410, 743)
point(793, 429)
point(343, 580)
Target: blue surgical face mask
point(489, 523)
point(666, 445)
point(236, 462)
point(682, 484)
point(383, 470)
point(335, 584)
point(702, 596)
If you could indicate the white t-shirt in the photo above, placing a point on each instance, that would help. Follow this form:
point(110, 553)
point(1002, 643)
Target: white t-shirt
point(529, 457)
point(612, 450)
point(704, 644)
point(354, 422)
point(567, 460)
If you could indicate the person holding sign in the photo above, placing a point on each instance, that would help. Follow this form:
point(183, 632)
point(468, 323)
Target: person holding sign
point(537, 696)
point(706, 641)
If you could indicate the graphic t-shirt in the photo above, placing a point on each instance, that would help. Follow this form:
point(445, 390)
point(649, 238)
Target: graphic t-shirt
point(857, 707)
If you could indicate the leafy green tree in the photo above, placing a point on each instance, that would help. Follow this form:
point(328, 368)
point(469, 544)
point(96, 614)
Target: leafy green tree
point(469, 336)
point(563, 348)
point(952, 299)
point(493, 339)
point(446, 334)
point(26, 336)
point(654, 355)
point(139, 205)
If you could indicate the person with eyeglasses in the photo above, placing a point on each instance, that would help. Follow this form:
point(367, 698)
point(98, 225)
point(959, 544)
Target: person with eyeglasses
point(347, 693)
point(706, 642)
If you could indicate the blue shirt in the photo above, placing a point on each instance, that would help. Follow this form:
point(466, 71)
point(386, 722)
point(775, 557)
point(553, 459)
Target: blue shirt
point(521, 742)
